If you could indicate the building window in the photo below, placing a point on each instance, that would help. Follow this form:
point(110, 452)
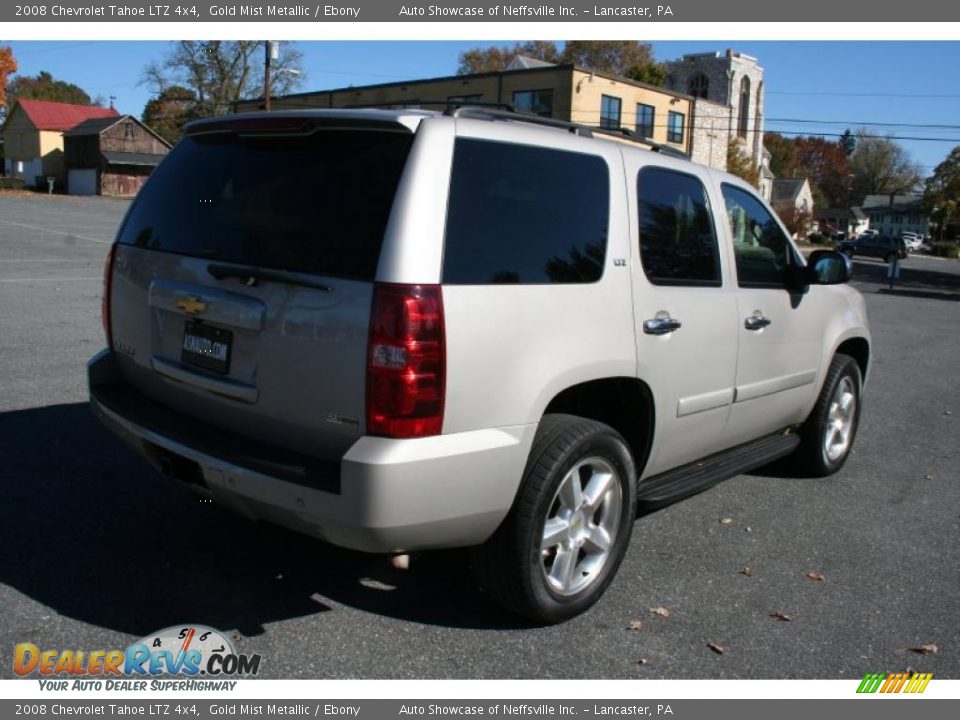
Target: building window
point(536, 102)
point(645, 116)
point(675, 127)
point(699, 86)
point(465, 99)
point(609, 112)
point(744, 115)
point(128, 131)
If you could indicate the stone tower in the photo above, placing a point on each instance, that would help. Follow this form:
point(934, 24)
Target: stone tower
point(729, 91)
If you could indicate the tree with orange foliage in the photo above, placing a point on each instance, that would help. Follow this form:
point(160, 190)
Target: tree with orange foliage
point(8, 66)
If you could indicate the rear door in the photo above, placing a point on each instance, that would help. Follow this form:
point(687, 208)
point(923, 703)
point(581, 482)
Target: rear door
point(244, 276)
point(685, 312)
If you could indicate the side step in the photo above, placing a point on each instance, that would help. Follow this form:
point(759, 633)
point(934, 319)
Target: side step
point(666, 488)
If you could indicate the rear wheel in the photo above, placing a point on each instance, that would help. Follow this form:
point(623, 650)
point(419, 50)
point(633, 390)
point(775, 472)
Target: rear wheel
point(563, 541)
point(827, 435)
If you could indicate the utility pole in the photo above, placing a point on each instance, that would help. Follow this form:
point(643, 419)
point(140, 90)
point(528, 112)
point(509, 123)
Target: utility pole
point(271, 52)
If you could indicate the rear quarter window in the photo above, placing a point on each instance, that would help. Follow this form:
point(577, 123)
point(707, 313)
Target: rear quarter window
point(315, 204)
point(525, 214)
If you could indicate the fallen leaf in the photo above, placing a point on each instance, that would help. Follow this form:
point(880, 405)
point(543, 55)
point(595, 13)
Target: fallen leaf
point(747, 570)
point(635, 625)
point(726, 521)
point(661, 611)
point(926, 649)
point(718, 649)
point(642, 661)
point(781, 617)
point(814, 575)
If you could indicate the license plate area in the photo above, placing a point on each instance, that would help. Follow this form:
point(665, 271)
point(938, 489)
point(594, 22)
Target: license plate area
point(206, 347)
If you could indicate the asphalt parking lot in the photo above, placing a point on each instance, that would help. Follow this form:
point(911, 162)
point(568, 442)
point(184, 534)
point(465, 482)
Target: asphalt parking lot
point(96, 551)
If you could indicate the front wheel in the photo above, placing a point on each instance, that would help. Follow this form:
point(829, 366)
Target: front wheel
point(827, 435)
point(563, 541)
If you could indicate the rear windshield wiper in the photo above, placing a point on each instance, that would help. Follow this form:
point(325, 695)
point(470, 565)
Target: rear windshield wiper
point(250, 275)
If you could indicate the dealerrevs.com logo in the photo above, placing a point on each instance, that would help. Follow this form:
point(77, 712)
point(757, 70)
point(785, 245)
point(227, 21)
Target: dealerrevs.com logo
point(187, 651)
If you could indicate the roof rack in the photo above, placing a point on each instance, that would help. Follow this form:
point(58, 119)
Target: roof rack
point(480, 112)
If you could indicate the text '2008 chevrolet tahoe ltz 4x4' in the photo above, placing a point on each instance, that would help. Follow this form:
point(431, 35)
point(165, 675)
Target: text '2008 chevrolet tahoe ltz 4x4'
point(405, 330)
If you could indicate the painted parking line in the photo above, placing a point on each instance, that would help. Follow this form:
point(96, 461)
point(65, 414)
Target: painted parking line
point(51, 279)
point(58, 232)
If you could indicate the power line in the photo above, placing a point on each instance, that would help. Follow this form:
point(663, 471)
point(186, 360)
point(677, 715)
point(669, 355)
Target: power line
point(844, 93)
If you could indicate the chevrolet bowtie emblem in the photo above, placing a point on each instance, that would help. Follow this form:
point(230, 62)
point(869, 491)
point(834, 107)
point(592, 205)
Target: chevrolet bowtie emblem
point(191, 305)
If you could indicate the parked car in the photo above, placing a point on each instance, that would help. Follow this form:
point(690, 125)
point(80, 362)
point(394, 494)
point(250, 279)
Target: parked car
point(405, 330)
point(912, 241)
point(879, 246)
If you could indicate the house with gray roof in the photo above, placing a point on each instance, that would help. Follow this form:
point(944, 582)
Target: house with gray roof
point(895, 214)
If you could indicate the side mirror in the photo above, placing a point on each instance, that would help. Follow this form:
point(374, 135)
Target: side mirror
point(828, 267)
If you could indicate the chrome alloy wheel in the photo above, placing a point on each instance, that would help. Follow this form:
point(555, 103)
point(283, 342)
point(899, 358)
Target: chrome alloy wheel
point(840, 418)
point(581, 526)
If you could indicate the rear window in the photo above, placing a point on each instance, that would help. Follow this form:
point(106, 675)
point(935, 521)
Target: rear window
point(314, 204)
point(523, 214)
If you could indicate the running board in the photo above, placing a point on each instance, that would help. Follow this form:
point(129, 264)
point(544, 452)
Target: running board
point(666, 488)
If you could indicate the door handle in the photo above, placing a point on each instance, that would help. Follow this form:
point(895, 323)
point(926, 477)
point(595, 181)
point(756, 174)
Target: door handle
point(757, 321)
point(662, 324)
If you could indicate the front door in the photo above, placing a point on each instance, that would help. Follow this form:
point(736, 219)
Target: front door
point(781, 328)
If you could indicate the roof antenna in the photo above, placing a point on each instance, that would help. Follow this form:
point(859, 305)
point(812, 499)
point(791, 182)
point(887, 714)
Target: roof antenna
point(112, 99)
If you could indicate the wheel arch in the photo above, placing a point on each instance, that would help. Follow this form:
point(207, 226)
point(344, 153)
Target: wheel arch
point(624, 403)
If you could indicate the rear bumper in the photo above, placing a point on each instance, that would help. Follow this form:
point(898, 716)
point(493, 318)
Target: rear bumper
point(384, 495)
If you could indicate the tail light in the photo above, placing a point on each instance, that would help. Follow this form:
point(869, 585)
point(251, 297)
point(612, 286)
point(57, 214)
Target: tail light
point(406, 361)
point(105, 302)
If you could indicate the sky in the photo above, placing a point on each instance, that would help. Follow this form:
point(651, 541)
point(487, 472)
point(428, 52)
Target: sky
point(906, 89)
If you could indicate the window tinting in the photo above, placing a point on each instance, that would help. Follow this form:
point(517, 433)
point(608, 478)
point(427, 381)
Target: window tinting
point(523, 214)
point(645, 116)
point(678, 243)
point(762, 251)
point(315, 204)
point(538, 102)
point(675, 127)
point(609, 112)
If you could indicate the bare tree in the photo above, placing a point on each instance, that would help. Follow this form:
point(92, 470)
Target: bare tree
point(222, 72)
point(881, 167)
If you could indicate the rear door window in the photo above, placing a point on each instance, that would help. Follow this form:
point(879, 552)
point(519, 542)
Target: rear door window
point(525, 214)
point(678, 242)
point(314, 204)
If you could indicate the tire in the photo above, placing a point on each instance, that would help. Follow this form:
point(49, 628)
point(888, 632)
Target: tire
point(546, 561)
point(827, 435)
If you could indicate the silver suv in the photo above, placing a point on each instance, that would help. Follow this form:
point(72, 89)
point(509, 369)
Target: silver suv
point(405, 330)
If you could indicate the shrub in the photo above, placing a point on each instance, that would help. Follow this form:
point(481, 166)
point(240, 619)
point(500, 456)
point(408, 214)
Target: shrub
point(12, 183)
point(946, 249)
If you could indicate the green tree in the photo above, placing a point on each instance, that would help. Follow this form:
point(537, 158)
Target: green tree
point(881, 167)
point(617, 57)
point(496, 57)
point(222, 72)
point(783, 155)
point(167, 113)
point(45, 87)
point(848, 142)
point(740, 164)
point(627, 58)
point(942, 193)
